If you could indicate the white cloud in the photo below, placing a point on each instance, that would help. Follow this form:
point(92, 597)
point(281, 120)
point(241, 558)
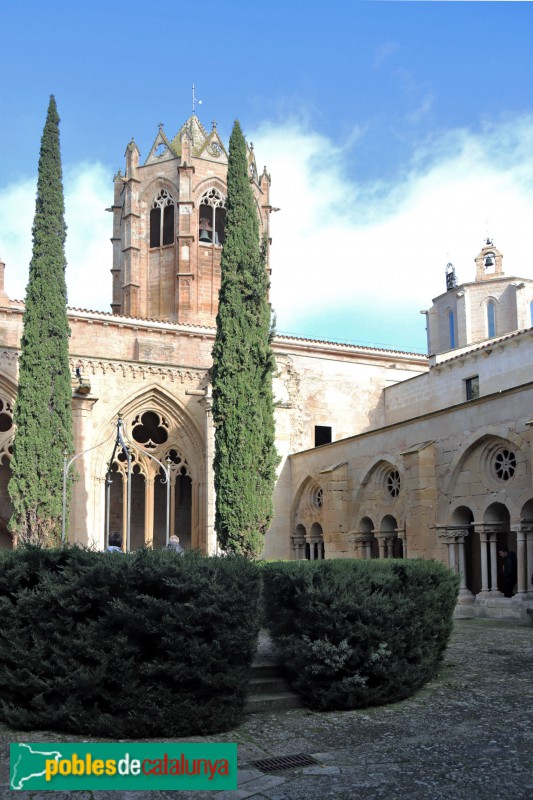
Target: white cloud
point(88, 190)
point(17, 207)
point(340, 243)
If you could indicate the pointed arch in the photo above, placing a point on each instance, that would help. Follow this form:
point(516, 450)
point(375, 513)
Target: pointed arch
point(180, 445)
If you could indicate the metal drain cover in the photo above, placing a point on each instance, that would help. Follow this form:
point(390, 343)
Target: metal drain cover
point(283, 762)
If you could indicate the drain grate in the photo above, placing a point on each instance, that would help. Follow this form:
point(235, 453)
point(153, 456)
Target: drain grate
point(284, 762)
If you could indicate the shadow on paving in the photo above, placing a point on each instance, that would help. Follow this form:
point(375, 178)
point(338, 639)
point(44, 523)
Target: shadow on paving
point(468, 735)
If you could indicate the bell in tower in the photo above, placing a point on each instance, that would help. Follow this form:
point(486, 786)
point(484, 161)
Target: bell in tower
point(488, 262)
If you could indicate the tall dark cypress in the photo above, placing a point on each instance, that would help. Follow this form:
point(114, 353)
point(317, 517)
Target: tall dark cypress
point(243, 408)
point(43, 411)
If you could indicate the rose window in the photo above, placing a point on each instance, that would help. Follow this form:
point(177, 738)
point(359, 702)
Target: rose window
point(504, 464)
point(392, 483)
point(317, 497)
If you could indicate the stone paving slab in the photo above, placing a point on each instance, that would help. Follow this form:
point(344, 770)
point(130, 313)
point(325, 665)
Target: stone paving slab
point(468, 735)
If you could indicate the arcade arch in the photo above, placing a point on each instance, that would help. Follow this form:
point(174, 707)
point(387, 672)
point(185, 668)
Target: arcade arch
point(380, 497)
point(308, 536)
point(485, 493)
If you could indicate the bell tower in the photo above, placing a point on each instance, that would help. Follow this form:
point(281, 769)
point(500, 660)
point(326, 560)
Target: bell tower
point(489, 262)
point(491, 306)
point(168, 225)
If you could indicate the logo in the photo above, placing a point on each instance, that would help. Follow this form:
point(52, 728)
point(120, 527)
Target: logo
point(135, 766)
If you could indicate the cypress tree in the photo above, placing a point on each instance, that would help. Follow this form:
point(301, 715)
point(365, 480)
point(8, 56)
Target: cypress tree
point(243, 408)
point(43, 411)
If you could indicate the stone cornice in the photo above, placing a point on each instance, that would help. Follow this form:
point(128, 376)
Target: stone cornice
point(133, 369)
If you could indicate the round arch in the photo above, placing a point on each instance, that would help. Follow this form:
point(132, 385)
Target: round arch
point(476, 440)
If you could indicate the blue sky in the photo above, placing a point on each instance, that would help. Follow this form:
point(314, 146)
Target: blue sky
point(398, 135)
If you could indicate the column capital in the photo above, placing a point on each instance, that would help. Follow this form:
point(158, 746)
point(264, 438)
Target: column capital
point(452, 533)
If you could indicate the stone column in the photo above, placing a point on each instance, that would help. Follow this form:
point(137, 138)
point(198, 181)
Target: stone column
point(521, 559)
point(403, 539)
point(125, 512)
point(207, 540)
point(454, 537)
point(484, 563)
point(451, 555)
point(368, 548)
point(85, 527)
point(529, 549)
point(149, 512)
point(382, 546)
point(463, 590)
point(493, 565)
point(298, 547)
point(172, 525)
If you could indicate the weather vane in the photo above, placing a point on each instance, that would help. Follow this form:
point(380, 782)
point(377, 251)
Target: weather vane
point(194, 100)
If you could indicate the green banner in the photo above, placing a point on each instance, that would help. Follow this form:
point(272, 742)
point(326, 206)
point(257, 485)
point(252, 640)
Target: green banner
point(124, 765)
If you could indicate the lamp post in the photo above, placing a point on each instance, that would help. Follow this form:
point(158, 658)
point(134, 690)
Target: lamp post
point(123, 445)
point(67, 463)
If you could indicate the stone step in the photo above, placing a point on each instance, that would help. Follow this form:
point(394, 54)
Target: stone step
point(273, 684)
point(264, 702)
point(266, 670)
point(269, 689)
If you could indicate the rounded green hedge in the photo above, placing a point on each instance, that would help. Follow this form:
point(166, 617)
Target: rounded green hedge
point(359, 633)
point(141, 645)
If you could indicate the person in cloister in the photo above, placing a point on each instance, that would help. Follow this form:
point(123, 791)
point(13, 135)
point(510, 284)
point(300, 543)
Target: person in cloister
point(174, 545)
point(115, 543)
point(509, 570)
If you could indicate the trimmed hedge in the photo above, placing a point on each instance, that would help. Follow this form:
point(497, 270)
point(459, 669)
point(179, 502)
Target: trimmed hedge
point(359, 633)
point(125, 646)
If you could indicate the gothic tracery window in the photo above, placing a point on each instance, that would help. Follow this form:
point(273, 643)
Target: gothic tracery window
point(155, 502)
point(212, 218)
point(150, 429)
point(162, 220)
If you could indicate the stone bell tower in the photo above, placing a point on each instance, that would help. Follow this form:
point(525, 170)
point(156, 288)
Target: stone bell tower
point(491, 306)
point(168, 225)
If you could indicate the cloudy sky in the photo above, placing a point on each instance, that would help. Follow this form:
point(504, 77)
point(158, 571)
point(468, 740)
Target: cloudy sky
point(398, 136)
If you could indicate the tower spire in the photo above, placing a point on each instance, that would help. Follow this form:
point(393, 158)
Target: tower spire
point(195, 100)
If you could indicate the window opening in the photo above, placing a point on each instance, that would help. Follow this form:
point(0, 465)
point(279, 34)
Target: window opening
point(489, 262)
point(162, 220)
point(491, 319)
point(322, 435)
point(393, 483)
point(212, 218)
point(451, 323)
point(317, 497)
point(472, 388)
point(150, 430)
point(504, 464)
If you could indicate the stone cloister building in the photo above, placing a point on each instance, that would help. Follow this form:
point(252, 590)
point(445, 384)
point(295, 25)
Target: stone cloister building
point(384, 454)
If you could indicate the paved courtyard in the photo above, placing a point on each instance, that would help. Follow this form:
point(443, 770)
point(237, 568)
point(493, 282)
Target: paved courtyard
point(468, 735)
